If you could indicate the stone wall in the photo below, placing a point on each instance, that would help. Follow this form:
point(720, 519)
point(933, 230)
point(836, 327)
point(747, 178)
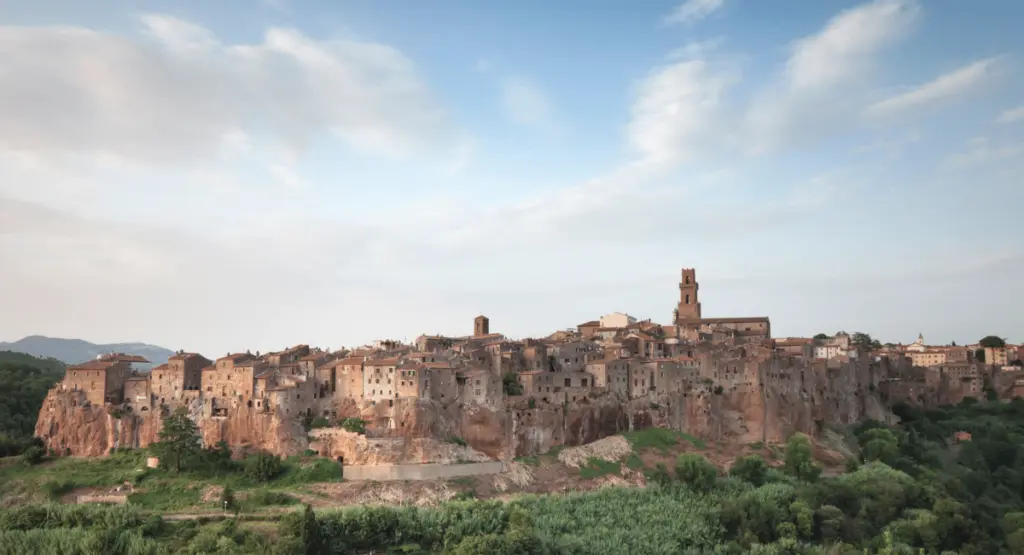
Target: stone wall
point(391, 472)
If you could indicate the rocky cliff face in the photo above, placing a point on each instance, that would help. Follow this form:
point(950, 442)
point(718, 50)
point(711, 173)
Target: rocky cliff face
point(68, 427)
point(781, 399)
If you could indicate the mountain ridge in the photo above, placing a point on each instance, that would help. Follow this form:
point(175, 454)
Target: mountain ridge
point(77, 351)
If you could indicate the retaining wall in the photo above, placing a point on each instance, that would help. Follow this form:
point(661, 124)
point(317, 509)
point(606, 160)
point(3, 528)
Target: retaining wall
point(391, 472)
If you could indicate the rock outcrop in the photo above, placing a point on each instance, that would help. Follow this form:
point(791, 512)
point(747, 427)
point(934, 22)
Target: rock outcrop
point(783, 397)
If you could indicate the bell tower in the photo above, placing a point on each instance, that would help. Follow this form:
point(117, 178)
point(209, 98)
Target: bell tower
point(689, 306)
point(481, 326)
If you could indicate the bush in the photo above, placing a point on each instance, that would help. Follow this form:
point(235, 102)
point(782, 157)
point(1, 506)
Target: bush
point(263, 467)
point(354, 425)
point(751, 469)
point(33, 455)
point(696, 471)
point(320, 422)
point(457, 441)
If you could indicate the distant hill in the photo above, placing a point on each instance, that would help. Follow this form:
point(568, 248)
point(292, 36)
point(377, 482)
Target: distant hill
point(76, 351)
point(10, 357)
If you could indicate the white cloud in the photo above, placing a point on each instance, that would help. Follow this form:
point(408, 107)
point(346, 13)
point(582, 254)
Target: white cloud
point(678, 110)
point(527, 104)
point(176, 98)
point(982, 150)
point(692, 11)
point(826, 75)
point(846, 48)
point(949, 85)
point(1011, 115)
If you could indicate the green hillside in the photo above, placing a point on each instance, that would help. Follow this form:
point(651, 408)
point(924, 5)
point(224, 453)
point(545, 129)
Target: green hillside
point(25, 380)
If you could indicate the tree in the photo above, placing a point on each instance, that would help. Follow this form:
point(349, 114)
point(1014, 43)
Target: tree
point(309, 533)
point(821, 336)
point(862, 340)
point(879, 444)
point(800, 458)
point(179, 440)
point(696, 471)
point(992, 342)
point(979, 355)
point(751, 469)
point(263, 467)
point(511, 385)
point(227, 497)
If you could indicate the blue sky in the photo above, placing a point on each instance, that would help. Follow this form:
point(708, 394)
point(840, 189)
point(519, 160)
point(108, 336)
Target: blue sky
point(236, 175)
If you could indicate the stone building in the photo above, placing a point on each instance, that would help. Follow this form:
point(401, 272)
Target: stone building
point(611, 373)
point(349, 378)
point(379, 379)
point(689, 315)
point(616, 320)
point(137, 396)
point(102, 381)
point(182, 372)
point(481, 386)
point(290, 355)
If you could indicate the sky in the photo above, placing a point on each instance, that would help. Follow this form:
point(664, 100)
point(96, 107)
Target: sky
point(231, 175)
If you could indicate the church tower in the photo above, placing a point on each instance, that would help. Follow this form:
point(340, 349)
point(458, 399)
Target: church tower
point(689, 306)
point(481, 326)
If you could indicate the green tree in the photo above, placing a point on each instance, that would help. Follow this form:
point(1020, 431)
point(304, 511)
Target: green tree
point(696, 471)
point(799, 459)
point(821, 336)
point(511, 385)
point(879, 444)
point(830, 522)
point(751, 469)
point(227, 497)
point(862, 340)
point(979, 355)
point(179, 440)
point(992, 341)
point(309, 533)
point(263, 467)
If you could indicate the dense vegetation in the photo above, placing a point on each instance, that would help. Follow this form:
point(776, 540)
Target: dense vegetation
point(911, 490)
point(24, 381)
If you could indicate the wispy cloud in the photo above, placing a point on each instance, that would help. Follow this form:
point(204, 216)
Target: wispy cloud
point(946, 86)
point(1012, 115)
point(982, 150)
point(692, 11)
point(826, 75)
point(175, 97)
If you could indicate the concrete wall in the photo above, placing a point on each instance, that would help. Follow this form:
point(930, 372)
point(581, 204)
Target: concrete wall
point(391, 472)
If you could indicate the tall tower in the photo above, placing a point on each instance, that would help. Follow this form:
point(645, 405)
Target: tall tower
point(481, 326)
point(689, 306)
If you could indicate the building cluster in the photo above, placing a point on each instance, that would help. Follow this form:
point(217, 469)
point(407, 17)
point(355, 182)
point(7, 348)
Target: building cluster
point(615, 355)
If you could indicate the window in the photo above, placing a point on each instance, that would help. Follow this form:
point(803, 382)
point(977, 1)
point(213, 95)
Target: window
point(478, 392)
point(568, 382)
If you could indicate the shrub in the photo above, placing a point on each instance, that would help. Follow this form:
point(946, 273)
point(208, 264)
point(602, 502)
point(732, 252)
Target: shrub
point(263, 467)
point(457, 440)
point(33, 455)
point(354, 425)
point(320, 422)
point(696, 471)
point(751, 469)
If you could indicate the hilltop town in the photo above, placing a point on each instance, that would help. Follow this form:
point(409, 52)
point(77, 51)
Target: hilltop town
point(714, 377)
